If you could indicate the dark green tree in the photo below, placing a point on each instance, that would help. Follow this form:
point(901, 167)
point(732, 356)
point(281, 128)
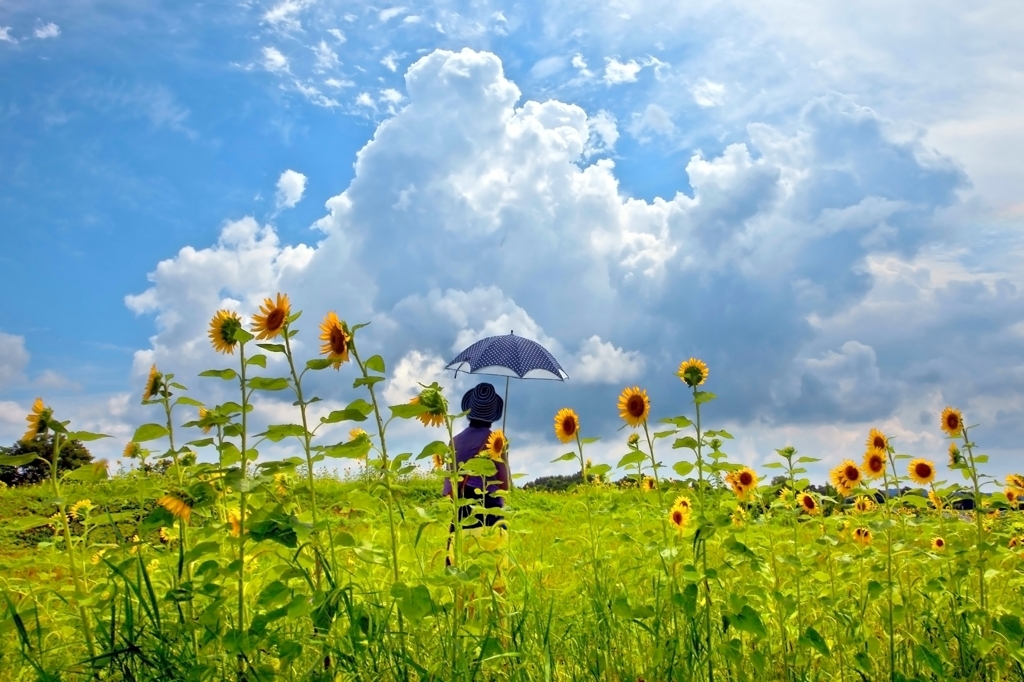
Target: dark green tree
point(72, 456)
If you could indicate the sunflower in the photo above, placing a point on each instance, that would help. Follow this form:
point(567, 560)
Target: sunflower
point(38, 420)
point(634, 406)
point(336, 337)
point(648, 484)
point(936, 501)
point(938, 544)
point(154, 383)
point(808, 503)
point(693, 371)
point(954, 455)
point(874, 463)
point(355, 433)
point(877, 441)
point(952, 421)
point(438, 462)
point(862, 536)
point(739, 515)
point(79, 508)
point(437, 407)
point(567, 424)
point(96, 558)
point(922, 471)
point(163, 536)
point(1011, 496)
point(786, 494)
point(281, 484)
point(222, 331)
point(132, 450)
point(272, 317)
point(203, 414)
point(684, 503)
point(496, 445)
point(428, 418)
point(1013, 542)
point(236, 523)
point(845, 477)
point(633, 440)
point(679, 517)
point(179, 508)
point(742, 481)
point(863, 504)
point(1016, 481)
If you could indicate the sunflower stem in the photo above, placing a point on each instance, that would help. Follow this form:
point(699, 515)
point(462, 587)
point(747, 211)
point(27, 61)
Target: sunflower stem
point(703, 544)
point(969, 447)
point(888, 568)
point(243, 502)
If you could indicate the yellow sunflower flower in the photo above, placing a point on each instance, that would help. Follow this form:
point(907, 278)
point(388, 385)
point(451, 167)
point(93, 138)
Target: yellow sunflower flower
point(78, 509)
point(1012, 496)
point(648, 484)
point(281, 484)
point(874, 463)
point(132, 450)
point(634, 406)
point(808, 503)
point(222, 331)
point(742, 481)
point(567, 424)
point(863, 504)
point(679, 517)
point(235, 521)
point(862, 536)
point(179, 508)
point(845, 477)
point(355, 433)
point(272, 317)
point(693, 371)
point(938, 544)
point(38, 420)
point(954, 455)
point(163, 536)
point(153, 384)
point(432, 398)
point(952, 421)
point(877, 441)
point(496, 445)
point(936, 501)
point(922, 471)
point(1016, 481)
point(203, 414)
point(96, 558)
point(438, 461)
point(684, 503)
point(633, 440)
point(336, 337)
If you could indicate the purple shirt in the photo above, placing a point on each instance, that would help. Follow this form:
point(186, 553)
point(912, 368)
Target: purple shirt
point(468, 445)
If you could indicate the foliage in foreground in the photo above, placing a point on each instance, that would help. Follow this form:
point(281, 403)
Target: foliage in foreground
point(258, 571)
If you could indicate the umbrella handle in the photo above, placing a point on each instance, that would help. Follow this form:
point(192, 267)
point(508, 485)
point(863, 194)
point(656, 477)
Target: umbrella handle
point(504, 416)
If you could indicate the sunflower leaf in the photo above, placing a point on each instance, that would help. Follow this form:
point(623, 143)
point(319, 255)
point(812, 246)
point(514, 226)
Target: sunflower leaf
point(148, 432)
point(664, 434)
point(813, 639)
point(348, 414)
point(257, 360)
point(635, 457)
point(685, 442)
point(202, 443)
point(701, 397)
point(89, 473)
point(680, 421)
point(185, 400)
point(376, 363)
point(566, 457)
point(354, 449)
point(593, 439)
point(807, 460)
point(272, 347)
point(599, 469)
point(318, 364)
point(275, 433)
point(407, 411)
point(359, 326)
point(366, 381)
point(19, 460)
point(683, 468)
point(431, 449)
point(86, 436)
point(226, 374)
point(242, 336)
point(479, 466)
point(268, 384)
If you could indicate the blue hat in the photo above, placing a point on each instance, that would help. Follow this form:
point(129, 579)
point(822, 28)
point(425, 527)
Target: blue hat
point(483, 403)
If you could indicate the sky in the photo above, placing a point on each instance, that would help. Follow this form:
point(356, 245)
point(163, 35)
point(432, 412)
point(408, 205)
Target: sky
point(821, 200)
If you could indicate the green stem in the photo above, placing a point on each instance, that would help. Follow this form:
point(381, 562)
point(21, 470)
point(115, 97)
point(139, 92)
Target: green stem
point(968, 446)
point(243, 494)
point(703, 544)
point(306, 437)
point(888, 554)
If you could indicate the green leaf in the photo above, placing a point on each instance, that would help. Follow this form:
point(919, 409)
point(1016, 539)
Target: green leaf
point(148, 432)
point(359, 326)
point(89, 473)
point(318, 363)
point(587, 441)
point(19, 460)
point(431, 449)
point(599, 469)
point(276, 433)
point(242, 336)
point(720, 433)
point(682, 468)
point(257, 360)
point(680, 421)
point(408, 410)
point(226, 374)
point(354, 449)
point(772, 465)
point(620, 607)
point(807, 460)
point(479, 466)
point(268, 384)
point(685, 442)
point(566, 457)
point(348, 414)
point(702, 397)
point(747, 620)
point(86, 436)
point(29, 522)
point(415, 602)
point(272, 347)
point(278, 528)
point(366, 381)
point(185, 400)
point(376, 364)
point(630, 459)
point(813, 639)
point(664, 434)
point(201, 443)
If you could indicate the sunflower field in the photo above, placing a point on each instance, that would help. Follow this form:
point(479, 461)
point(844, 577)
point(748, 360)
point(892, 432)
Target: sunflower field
point(686, 567)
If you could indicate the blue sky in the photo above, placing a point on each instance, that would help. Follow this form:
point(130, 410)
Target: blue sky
point(823, 205)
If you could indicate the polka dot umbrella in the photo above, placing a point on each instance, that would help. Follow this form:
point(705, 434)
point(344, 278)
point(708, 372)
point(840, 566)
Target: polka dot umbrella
point(508, 356)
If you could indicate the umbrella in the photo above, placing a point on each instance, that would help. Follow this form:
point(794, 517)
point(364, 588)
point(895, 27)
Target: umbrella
point(508, 356)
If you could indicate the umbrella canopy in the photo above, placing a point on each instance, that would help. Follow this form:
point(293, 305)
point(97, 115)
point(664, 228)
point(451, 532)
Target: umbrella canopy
point(508, 356)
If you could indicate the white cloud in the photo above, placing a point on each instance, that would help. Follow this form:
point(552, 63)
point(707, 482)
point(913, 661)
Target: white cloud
point(616, 72)
point(548, 66)
point(338, 34)
point(386, 15)
point(335, 83)
point(580, 64)
point(391, 96)
point(50, 30)
point(13, 360)
point(311, 93)
point(654, 119)
point(52, 380)
point(708, 94)
point(326, 58)
point(5, 35)
point(274, 61)
point(290, 188)
point(415, 368)
point(604, 132)
point(412, 19)
point(284, 16)
point(390, 60)
point(600, 362)
point(364, 99)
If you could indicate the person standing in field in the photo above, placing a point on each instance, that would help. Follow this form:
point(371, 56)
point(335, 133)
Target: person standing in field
point(486, 529)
